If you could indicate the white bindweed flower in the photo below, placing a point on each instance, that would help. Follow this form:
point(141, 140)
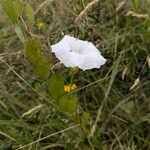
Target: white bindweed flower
point(74, 52)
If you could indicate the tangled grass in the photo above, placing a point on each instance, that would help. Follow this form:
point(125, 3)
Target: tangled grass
point(113, 102)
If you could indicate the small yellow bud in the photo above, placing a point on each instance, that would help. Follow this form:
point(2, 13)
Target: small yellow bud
point(67, 88)
point(73, 87)
point(70, 88)
point(40, 25)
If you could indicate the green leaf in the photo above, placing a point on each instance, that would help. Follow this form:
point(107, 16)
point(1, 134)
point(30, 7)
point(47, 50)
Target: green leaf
point(68, 103)
point(42, 68)
point(8, 8)
point(32, 50)
point(19, 33)
point(17, 8)
point(56, 86)
point(13, 9)
point(29, 13)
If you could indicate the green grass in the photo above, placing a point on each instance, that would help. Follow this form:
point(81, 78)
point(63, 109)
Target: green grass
point(123, 121)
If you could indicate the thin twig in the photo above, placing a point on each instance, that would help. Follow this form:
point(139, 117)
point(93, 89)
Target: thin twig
point(113, 75)
point(8, 136)
point(96, 121)
point(42, 5)
point(96, 82)
point(27, 30)
point(20, 77)
point(139, 16)
point(86, 10)
point(67, 129)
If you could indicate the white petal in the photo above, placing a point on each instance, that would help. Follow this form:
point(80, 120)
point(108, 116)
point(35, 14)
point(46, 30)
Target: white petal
point(61, 46)
point(91, 61)
point(74, 52)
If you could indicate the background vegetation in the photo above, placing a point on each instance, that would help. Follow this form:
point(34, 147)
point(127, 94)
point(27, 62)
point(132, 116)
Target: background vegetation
point(115, 98)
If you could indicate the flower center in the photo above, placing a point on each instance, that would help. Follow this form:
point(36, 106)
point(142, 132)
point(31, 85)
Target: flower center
point(76, 50)
point(76, 47)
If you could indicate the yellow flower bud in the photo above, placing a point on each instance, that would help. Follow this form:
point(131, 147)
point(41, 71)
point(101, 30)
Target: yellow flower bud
point(40, 25)
point(70, 88)
point(73, 87)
